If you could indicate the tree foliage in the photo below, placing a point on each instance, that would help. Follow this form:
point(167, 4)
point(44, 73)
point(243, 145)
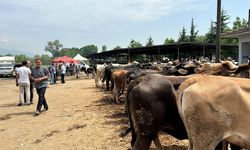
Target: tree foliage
point(134, 44)
point(20, 58)
point(117, 47)
point(104, 48)
point(224, 22)
point(71, 52)
point(88, 49)
point(193, 32)
point(183, 36)
point(239, 24)
point(211, 35)
point(54, 47)
point(169, 41)
point(150, 42)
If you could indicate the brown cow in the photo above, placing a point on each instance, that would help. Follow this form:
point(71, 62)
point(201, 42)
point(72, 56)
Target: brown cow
point(118, 77)
point(215, 109)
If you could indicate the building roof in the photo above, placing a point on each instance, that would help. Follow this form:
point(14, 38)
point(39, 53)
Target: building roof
point(161, 49)
point(237, 33)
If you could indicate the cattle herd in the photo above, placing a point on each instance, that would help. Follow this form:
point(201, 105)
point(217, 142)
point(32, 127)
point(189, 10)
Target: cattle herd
point(206, 103)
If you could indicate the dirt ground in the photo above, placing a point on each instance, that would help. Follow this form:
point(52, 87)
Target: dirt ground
point(80, 117)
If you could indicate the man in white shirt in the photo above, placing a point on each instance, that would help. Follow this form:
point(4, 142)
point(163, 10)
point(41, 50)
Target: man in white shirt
point(23, 81)
point(63, 72)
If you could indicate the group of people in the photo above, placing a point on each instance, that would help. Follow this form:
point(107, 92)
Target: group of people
point(54, 72)
point(27, 78)
point(61, 69)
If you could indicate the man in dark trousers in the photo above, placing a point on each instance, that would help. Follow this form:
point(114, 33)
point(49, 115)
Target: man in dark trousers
point(40, 75)
point(63, 72)
point(29, 65)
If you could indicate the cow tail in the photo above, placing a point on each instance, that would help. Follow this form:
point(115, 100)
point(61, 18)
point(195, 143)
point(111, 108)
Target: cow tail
point(123, 87)
point(112, 84)
point(131, 128)
point(125, 132)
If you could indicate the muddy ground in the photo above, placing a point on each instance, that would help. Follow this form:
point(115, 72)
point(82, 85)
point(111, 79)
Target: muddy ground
point(80, 117)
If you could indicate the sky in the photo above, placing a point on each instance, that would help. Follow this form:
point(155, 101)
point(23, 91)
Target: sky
point(27, 25)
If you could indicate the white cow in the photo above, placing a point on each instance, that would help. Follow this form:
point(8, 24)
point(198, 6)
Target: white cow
point(99, 75)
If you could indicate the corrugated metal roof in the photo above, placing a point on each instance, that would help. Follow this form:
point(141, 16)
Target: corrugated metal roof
point(236, 33)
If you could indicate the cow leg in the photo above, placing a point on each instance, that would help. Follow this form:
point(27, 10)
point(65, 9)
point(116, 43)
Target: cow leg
point(107, 85)
point(134, 137)
point(142, 143)
point(115, 93)
point(112, 84)
point(97, 82)
point(157, 143)
point(234, 147)
point(222, 146)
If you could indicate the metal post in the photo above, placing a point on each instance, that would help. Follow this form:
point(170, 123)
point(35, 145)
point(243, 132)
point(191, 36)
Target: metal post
point(129, 56)
point(203, 50)
point(249, 18)
point(158, 53)
point(178, 51)
point(218, 32)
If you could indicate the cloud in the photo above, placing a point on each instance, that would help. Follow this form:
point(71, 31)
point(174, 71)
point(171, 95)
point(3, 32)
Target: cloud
point(4, 40)
point(90, 14)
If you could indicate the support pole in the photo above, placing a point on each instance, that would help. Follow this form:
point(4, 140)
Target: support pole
point(218, 32)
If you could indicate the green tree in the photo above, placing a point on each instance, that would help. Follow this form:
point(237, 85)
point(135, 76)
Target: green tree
point(183, 36)
point(224, 22)
point(239, 24)
point(193, 32)
point(54, 47)
point(46, 60)
point(211, 35)
point(104, 48)
point(134, 44)
point(71, 52)
point(20, 58)
point(169, 41)
point(88, 49)
point(117, 47)
point(150, 42)
point(201, 39)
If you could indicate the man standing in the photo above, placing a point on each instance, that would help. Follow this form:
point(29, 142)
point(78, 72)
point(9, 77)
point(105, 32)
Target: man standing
point(63, 72)
point(29, 65)
point(22, 80)
point(53, 74)
point(40, 76)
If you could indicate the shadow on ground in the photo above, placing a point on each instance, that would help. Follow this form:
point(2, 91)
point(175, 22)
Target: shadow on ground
point(8, 105)
point(9, 116)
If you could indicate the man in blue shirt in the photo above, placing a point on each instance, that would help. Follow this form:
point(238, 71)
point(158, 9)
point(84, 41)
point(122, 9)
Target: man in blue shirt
point(40, 75)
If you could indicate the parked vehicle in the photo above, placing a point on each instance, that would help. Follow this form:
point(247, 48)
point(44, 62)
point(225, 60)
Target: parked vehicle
point(7, 66)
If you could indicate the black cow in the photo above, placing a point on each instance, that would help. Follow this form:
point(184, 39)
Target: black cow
point(88, 71)
point(151, 107)
point(108, 73)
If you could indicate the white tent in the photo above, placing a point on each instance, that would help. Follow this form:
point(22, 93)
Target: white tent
point(80, 58)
